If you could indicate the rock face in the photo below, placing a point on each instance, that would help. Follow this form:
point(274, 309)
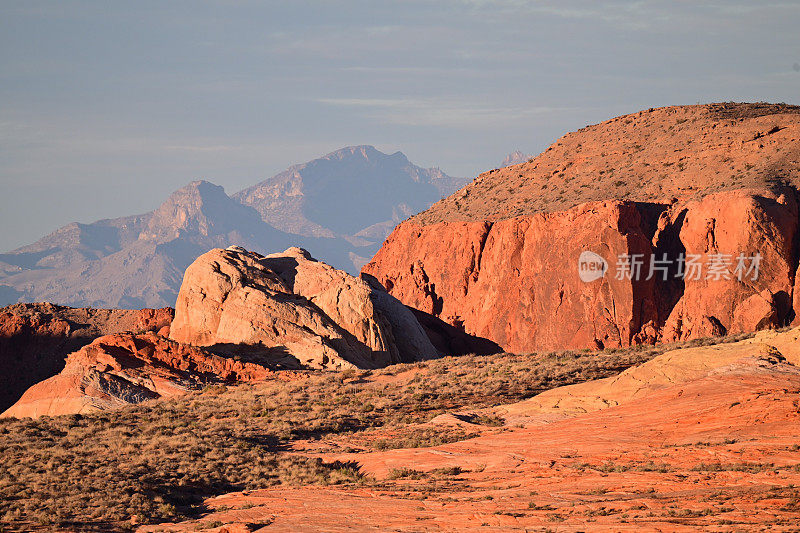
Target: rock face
point(500, 258)
point(36, 338)
point(122, 369)
point(731, 223)
point(290, 309)
point(511, 282)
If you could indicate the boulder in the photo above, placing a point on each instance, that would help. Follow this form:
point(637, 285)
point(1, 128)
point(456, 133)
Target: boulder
point(290, 309)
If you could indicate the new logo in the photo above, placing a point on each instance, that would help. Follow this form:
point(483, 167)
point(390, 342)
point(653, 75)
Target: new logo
point(591, 266)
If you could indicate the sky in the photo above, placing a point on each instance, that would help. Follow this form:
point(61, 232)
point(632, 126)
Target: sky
point(107, 107)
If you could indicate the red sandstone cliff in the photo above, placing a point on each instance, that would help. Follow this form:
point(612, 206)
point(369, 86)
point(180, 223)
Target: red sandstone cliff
point(506, 280)
point(500, 257)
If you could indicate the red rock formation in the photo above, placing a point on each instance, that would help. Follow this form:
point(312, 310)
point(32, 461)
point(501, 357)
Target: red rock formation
point(516, 282)
point(729, 224)
point(500, 257)
point(36, 338)
point(512, 282)
point(126, 368)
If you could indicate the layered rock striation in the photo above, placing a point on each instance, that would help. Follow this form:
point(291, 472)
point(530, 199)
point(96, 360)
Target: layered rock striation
point(126, 368)
point(36, 338)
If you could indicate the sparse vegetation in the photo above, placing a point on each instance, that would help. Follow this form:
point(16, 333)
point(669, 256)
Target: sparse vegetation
point(636, 146)
point(423, 438)
point(405, 473)
point(152, 463)
point(157, 461)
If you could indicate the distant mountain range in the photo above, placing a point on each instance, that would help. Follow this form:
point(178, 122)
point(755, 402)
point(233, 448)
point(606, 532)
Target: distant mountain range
point(340, 207)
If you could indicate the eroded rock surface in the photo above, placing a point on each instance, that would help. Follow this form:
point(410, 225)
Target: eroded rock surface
point(695, 439)
point(294, 310)
point(674, 368)
point(126, 368)
point(36, 338)
point(725, 225)
point(515, 283)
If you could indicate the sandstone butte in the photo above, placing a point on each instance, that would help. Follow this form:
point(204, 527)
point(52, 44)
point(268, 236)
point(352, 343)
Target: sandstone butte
point(697, 438)
point(36, 338)
point(126, 368)
point(290, 310)
point(499, 258)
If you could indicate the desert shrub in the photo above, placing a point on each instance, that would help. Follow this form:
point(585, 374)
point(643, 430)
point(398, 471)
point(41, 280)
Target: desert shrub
point(422, 438)
point(405, 473)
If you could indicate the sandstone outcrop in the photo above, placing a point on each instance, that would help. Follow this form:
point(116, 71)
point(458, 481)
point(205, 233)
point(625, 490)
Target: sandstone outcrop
point(36, 338)
point(511, 282)
point(290, 309)
point(121, 369)
point(671, 369)
point(499, 259)
point(732, 223)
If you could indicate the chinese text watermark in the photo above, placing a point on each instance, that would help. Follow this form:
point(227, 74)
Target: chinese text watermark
point(693, 267)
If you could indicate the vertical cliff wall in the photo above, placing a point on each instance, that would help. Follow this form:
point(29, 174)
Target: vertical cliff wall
point(701, 193)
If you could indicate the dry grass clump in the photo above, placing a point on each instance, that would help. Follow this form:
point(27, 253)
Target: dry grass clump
point(423, 438)
point(146, 463)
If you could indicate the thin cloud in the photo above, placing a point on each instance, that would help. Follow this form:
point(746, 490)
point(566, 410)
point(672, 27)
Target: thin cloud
point(437, 111)
point(631, 14)
point(639, 15)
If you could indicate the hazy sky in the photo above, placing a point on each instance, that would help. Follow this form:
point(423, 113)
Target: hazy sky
point(106, 107)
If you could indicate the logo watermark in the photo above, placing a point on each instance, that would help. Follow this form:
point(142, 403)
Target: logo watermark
point(693, 267)
point(591, 266)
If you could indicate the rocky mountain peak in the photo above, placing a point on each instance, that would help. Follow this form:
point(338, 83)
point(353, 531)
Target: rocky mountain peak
point(199, 207)
point(340, 206)
point(346, 192)
point(363, 151)
point(514, 158)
